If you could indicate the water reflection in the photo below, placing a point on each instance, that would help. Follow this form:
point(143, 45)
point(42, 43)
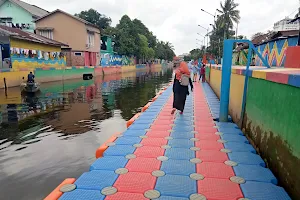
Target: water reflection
point(42, 135)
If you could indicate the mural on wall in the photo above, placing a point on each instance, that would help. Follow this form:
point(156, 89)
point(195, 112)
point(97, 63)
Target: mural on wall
point(26, 58)
point(275, 51)
point(128, 61)
point(115, 60)
point(240, 58)
point(105, 58)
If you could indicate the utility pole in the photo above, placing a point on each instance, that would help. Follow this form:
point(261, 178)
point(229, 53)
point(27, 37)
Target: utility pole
point(236, 32)
point(299, 24)
point(297, 19)
point(207, 36)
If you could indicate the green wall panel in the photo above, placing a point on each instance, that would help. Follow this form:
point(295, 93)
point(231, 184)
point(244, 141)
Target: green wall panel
point(272, 121)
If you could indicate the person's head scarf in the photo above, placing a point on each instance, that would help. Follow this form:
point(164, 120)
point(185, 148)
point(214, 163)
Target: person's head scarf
point(182, 69)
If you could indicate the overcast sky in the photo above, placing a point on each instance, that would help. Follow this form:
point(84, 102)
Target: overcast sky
point(176, 21)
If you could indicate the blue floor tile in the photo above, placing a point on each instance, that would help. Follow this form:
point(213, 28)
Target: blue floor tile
point(181, 143)
point(119, 150)
point(177, 186)
point(180, 154)
point(246, 158)
point(255, 173)
point(263, 191)
point(239, 147)
point(109, 163)
point(96, 180)
point(79, 194)
point(178, 167)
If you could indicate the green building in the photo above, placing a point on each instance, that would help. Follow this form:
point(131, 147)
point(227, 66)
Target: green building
point(106, 45)
point(19, 14)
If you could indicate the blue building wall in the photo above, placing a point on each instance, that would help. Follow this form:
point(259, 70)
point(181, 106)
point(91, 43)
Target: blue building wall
point(115, 60)
point(275, 51)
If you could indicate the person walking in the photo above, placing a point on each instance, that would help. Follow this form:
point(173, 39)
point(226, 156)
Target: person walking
point(202, 73)
point(195, 72)
point(180, 86)
point(190, 66)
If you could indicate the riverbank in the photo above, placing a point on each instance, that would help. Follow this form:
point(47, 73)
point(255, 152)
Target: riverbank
point(13, 77)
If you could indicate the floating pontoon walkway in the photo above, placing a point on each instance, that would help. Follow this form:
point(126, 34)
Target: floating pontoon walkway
point(176, 157)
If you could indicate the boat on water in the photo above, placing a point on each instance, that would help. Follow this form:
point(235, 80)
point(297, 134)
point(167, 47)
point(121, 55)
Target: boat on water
point(29, 87)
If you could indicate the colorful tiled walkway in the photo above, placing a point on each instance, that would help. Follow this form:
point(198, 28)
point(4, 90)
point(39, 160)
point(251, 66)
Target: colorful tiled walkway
point(179, 157)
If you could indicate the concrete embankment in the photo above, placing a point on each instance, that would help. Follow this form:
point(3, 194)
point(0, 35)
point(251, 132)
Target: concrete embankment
point(13, 77)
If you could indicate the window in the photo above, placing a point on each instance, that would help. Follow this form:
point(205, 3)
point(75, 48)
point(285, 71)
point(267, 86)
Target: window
point(77, 54)
point(90, 39)
point(6, 21)
point(47, 33)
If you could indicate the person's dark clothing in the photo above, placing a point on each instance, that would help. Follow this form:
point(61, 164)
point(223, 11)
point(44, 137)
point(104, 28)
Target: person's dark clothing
point(30, 78)
point(180, 93)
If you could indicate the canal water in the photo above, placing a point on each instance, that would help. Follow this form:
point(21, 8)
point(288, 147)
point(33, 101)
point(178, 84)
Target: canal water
point(54, 135)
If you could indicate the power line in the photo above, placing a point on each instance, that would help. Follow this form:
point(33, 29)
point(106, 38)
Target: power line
point(293, 12)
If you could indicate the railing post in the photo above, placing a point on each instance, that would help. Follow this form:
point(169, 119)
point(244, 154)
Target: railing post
point(226, 74)
point(245, 87)
point(225, 84)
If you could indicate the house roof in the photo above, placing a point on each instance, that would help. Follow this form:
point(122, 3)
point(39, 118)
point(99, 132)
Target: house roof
point(22, 35)
point(34, 10)
point(241, 46)
point(285, 34)
point(262, 39)
point(77, 18)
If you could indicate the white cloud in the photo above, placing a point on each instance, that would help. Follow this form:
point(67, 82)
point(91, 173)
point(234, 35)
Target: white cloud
point(176, 21)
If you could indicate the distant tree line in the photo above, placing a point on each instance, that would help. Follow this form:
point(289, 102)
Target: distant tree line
point(131, 37)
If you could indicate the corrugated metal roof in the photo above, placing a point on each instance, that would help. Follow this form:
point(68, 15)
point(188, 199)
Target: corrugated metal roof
point(268, 37)
point(34, 10)
point(22, 35)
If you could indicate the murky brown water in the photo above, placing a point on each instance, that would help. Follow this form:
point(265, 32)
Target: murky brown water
point(54, 135)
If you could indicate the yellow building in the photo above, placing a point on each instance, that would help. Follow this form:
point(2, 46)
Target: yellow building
point(24, 50)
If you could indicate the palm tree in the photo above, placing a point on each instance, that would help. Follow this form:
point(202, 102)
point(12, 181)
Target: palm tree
point(228, 14)
point(169, 45)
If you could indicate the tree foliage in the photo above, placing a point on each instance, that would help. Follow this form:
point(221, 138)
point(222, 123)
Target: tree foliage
point(95, 18)
point(229, 13)
point(223, 27)
point(187, 58)
point(144, 51)
point(132, 37)
point(164, 50)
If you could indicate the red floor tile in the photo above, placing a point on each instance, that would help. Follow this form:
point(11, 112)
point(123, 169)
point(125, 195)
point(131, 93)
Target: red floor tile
point(161, 127)
point(206, 130)
point(215, 170)
point(211, 156)
point(135, 182)
point(219, 189)
point(124, 195)
point(209, 145)
point(211, 137)
point(149, 152)
point(157, 142)
point(158, 134)
point(146, 165)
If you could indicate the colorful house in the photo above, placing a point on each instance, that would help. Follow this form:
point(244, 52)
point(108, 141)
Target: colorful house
point(18, 14)
point(82, 37)
point(107, 45)
point(24, 50)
